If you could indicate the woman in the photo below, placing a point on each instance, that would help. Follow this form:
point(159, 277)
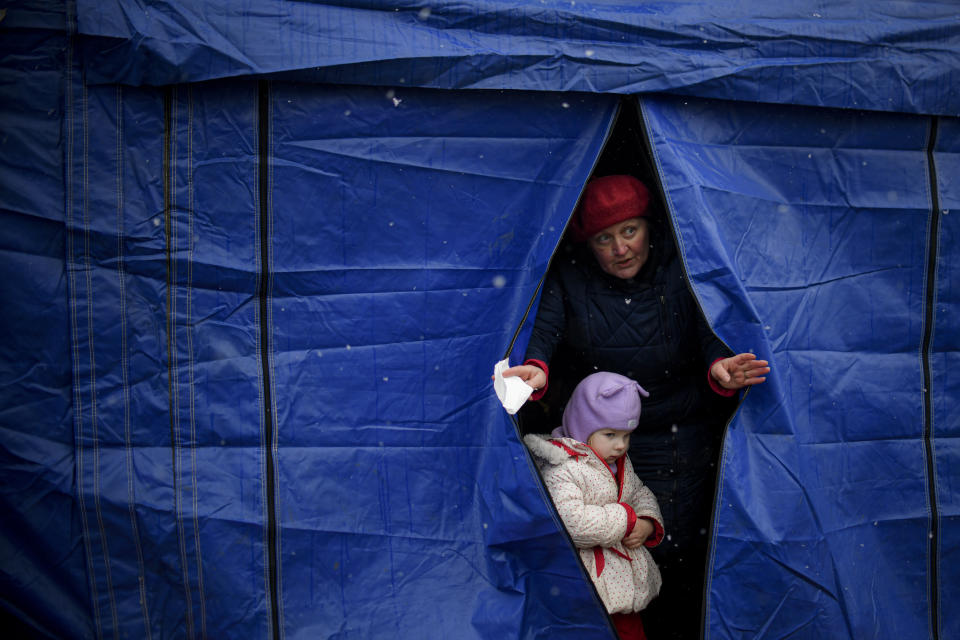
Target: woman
point(621, 304)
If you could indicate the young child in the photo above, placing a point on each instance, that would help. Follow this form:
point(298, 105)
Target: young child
point(610, 515)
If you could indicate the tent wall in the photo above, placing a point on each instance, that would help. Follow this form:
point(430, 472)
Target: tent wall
point(814, 239)
point(42, 574)
point(286, 301)
point(251, 321)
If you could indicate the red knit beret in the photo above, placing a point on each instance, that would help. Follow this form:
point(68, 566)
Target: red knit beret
point(609, 200)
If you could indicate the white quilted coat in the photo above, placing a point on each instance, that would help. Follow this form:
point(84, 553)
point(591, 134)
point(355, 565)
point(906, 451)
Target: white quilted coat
point(587, 497)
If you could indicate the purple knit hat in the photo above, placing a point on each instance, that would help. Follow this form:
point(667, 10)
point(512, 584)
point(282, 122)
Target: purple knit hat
point(602, 400)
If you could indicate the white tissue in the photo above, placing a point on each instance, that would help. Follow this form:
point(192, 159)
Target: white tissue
point(512, 391)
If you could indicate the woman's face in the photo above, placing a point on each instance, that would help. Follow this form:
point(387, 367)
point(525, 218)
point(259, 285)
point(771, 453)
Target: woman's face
point(622, 249)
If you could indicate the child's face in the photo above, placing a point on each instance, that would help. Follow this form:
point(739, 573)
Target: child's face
point(609, 443)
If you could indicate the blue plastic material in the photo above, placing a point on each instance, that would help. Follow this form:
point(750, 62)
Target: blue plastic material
point(42, 569)
point(249, 324)
point(883, 55)
point(805, 234)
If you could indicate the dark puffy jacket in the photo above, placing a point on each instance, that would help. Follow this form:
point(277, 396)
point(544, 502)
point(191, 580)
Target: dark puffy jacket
point(649, 329)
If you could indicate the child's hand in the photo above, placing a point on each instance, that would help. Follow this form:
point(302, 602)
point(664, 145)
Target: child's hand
point(641, 531)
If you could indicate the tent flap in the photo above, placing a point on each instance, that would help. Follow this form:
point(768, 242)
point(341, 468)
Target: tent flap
point(805, 233)
point(267, 333)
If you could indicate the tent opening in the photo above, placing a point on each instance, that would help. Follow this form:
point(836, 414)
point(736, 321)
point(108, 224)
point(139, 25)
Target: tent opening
point(626, 151)
point(678, 462)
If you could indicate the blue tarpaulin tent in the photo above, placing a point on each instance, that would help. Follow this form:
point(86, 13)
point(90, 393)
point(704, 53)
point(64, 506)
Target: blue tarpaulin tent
point(259, 259)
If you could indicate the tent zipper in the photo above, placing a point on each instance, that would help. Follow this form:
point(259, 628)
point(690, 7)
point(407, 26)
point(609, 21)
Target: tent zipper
point(516, 425)
point(930, 297)
point(263, 293)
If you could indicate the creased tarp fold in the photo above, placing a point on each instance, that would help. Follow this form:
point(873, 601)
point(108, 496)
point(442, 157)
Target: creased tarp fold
point(883, 55)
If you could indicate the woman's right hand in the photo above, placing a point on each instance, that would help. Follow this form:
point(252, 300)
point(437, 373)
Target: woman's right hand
point(533, 376)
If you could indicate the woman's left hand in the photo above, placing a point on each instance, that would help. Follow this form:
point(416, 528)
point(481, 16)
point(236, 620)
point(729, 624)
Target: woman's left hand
point(742, 370)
